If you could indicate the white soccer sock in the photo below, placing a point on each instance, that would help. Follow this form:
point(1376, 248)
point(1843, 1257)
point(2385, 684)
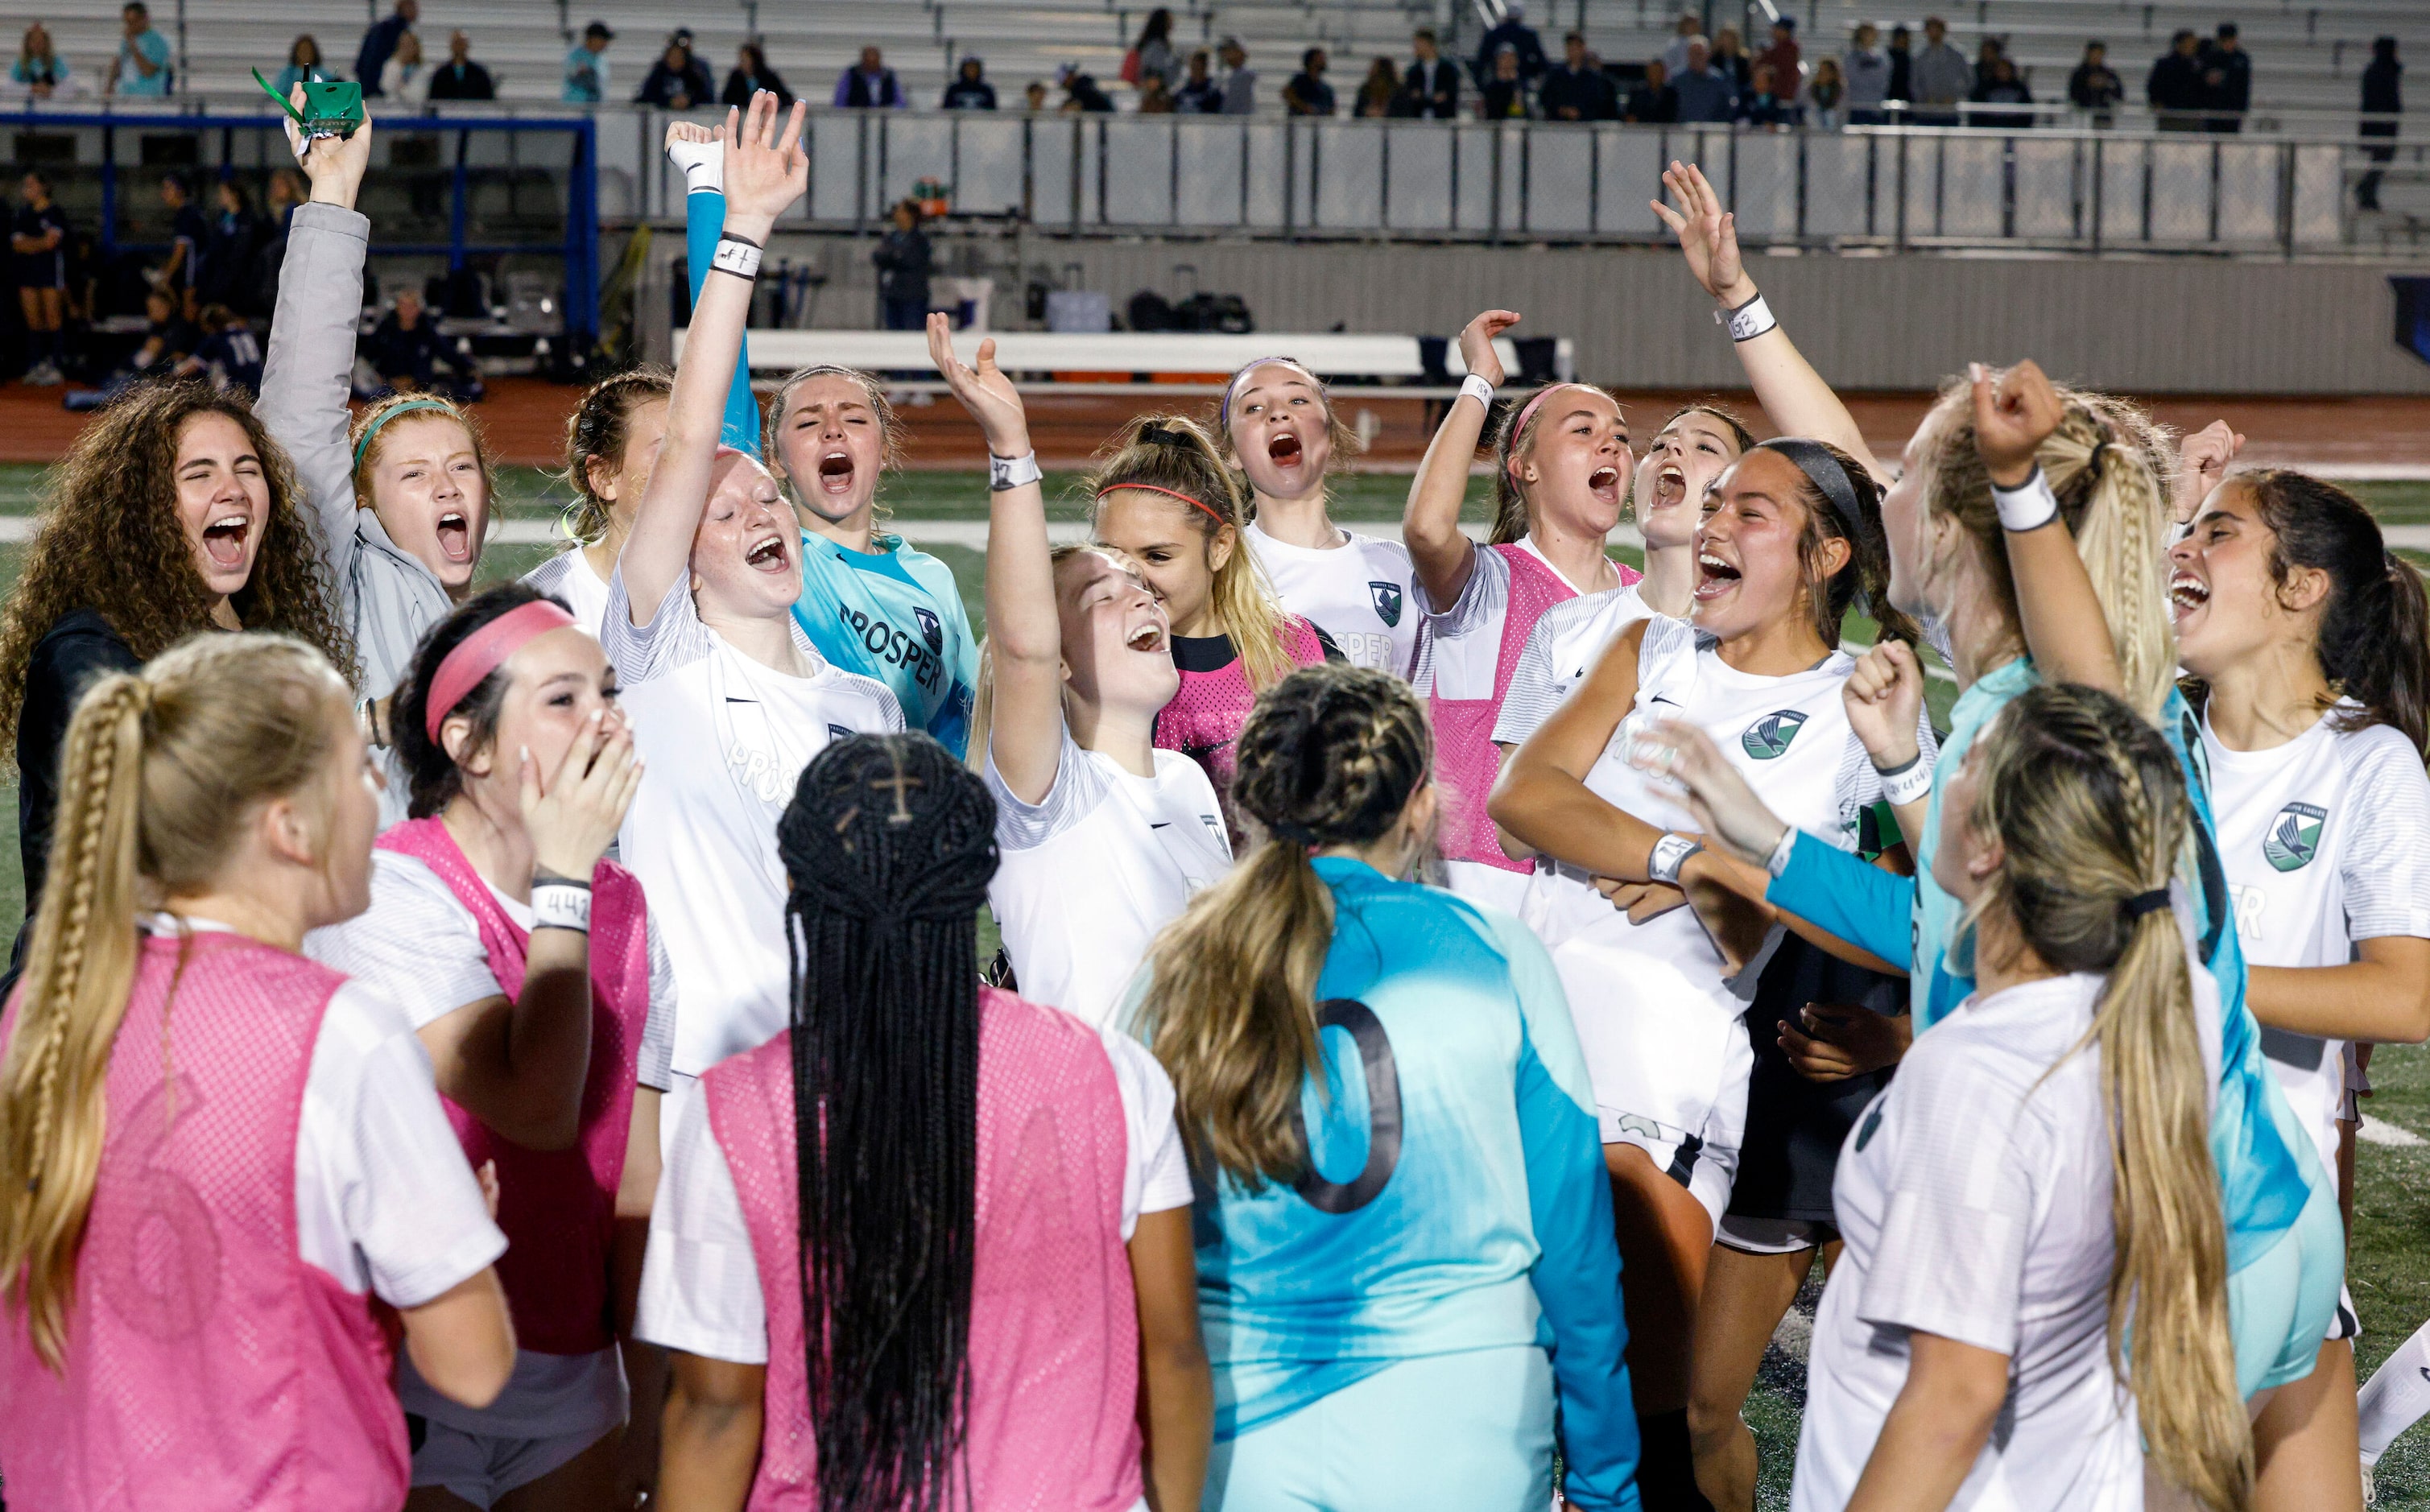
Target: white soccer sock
point(703, 164)
point(2397, 1396)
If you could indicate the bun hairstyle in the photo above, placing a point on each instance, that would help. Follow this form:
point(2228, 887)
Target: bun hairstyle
point(2091, 808)
point(1514, 441)
point(432, 777)
point(371, 436)
point(2108, 466)
point(1177, 457)
point(889, 428)
point(889, 844)
point(2374, 640)
point(598, 430)
point(1849, 509)
point(1328, 756)
point(160, 772)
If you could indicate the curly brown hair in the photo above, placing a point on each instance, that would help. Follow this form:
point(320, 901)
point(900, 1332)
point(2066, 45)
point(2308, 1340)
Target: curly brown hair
point(108, 539)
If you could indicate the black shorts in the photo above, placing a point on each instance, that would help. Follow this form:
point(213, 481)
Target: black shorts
point(40, 270)
point(1794, 1126)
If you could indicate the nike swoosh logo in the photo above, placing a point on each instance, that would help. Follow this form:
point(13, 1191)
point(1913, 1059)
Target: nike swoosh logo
point(1159, 823)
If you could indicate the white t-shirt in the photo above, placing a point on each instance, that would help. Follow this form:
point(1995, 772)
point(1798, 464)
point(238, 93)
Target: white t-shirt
point(2326, 841)
point(1359, 592)
point(1564, 646)
point(570, 575)
point(725, 740)
point(421, 947)
point(1091, 873)
point(700, 1282)
point(1974, 1196)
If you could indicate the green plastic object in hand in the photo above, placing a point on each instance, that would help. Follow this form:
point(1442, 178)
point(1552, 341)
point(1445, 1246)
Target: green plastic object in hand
point(329, 110)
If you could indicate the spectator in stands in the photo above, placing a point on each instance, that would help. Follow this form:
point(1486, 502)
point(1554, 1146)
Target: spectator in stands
point(678, 80)
point(1081, 93)
point(1787, 62)
point(1902, 57)
point(187, 234)
point(403, 77)
point(870, 84)
point(1941, 76)
point(38, 241)
point(1152, 56)
point(586, 67)
point(1502, 96)
point(229, 354)
point(1729, 58)
point(1430, 86)
point(227, 272)
point(460, 77)
point(2227, 81)
point(1308, 93)
point(1826, 96)
point(2001, 85)
point(1990, 51)
point(1380, 92)
point(970, 90)
point(2175, 86)
point(2383, 95)
point(1705, 94)
point(168, 339)
point(141, 66)
point(2096, 85)
point(1199, 93)
point(1238, 81)
point(1760, 104)
point(1652, 103)
point(380, 44)
point(1033, 96)
point(302, 66)
point(1868, 71)
point(411, 356)
point(904, 258)
point(1578, 90)
point(40, 72)
point(1513, 32)
point(751, 73)
point(1154, 97)
point(1675, 57)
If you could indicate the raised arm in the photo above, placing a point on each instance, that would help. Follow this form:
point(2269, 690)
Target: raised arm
point(1025, 626)
point(2202, 464)
point(1430, 525)
point(308, 374)
point(2065, 630)
point(697, 151)
point(1792, 395)
point(764, 173)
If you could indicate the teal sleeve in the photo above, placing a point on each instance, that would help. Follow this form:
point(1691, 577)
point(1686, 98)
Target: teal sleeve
point(1577, 1270)
point(951, 722)
point(704, 217)
point(1840, 894)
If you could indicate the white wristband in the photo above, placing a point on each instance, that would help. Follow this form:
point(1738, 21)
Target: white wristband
point(1011, 473)
point(703, 164)
point(737, 256)
point(1748, 321)
point(1477, 389)
point(1671, 853)
point(1906, 784)
point(1777, 861)
point(561, 905)
point(2029, 505)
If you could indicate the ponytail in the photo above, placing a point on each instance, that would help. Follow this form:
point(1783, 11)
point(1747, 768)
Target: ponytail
point(599, 430)
point(1330, 755)
point(2091, 808)
point(159, 772)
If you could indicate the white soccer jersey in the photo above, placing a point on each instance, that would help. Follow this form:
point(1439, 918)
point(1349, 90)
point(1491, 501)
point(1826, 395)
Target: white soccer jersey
point(569, 576)
point(1357, 593)
point(2326, 841)
point(1090, 873)
point(1657, 1016)
point(1567, 642)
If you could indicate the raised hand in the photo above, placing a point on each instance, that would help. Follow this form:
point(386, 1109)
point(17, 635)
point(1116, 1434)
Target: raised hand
point(573, 822)
point(332, 166)
point(1476, 344)
point(984, 390)
point(2015, 412)
point(765, 173)
point(1707, 234)
point(1725, 808)
point(1883, 696)
point(2202, 464)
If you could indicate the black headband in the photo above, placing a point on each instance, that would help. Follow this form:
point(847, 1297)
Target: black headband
point(1829, 478)
point(1160, 436)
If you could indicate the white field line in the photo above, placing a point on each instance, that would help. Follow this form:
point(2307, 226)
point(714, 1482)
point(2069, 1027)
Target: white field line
point(2373, 1131)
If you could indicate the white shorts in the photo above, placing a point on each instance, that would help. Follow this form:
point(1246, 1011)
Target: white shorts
point(1487, 885)
point(481, 1469)
point(1775, 1236)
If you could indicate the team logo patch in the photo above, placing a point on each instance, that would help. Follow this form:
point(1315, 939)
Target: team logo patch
point(1769, 737)
point(1388, 601)
point(930, 628)
point(838, 732)
point(2294, 837)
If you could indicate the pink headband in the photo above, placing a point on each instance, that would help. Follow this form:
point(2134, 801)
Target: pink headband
point(1197, 503)
point(1526, 413)
point(478, 655)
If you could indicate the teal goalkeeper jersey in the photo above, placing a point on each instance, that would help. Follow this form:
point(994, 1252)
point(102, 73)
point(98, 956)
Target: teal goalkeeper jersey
point(1458, 1201)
